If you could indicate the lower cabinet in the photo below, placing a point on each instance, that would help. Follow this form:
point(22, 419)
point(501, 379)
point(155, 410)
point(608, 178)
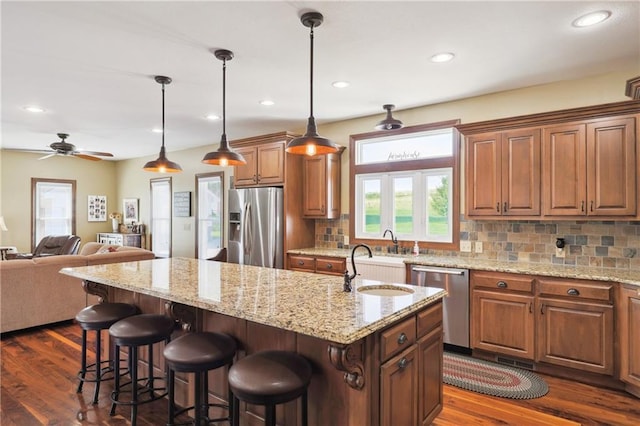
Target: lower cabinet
point(629, 335)
point(411, 370)
point(327, 265)
point(118, 239)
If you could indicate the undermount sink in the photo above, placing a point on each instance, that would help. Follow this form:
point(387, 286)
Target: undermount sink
point(385, 290)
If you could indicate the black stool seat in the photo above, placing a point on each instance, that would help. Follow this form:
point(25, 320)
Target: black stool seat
point(133, 332)
point(269, 378)
point(97, 318)
point(104, 315)
point(198, 353)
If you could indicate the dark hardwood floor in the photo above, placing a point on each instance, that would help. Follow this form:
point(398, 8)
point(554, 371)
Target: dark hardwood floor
point(38, 381)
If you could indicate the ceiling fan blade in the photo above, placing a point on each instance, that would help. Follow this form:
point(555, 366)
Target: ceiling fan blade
point(85, 156)
point(37, 151)
point(47, 156)
point(102, 154)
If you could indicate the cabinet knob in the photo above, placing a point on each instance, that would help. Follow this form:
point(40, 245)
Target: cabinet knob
point(402, 364)
point(402, 339)
point(300, 262)
point(573, 292)
point(501, 284)
point(329, 266)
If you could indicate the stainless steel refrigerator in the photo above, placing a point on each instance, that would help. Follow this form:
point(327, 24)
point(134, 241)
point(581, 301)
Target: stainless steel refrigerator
point(256, 227)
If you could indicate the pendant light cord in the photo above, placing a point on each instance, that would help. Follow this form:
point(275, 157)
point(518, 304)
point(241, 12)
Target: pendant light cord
point(311, 73)
point(224, 98)
point(162, 115)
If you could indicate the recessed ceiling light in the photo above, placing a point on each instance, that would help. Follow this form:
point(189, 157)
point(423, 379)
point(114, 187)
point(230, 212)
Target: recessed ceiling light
point(442, 57)
point(591, 18)
point(340, 84)
point(266, 102)
point(156, 130)
point(33, 108)
point(212, 117)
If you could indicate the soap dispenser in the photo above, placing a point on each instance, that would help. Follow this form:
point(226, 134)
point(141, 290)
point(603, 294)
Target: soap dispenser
point(416, 249)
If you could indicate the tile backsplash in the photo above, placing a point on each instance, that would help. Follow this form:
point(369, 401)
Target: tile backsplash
point(604, 244)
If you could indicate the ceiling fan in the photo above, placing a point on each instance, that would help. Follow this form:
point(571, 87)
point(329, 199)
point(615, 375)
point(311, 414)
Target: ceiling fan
point(66, 148)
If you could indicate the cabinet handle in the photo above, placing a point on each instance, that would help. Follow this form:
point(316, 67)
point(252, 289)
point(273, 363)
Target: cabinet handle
point(501, 284)
point(530, 307)
point(582, 206)
point(329, 266)
point(542, 309)
point(300, 262)
point(322, 209)
point(402, 364)
point(573, 292)
point(591, 205)
point(402, 339)
point(504, 207)
point(498, 207)
point(259, 178)
point(255, 180)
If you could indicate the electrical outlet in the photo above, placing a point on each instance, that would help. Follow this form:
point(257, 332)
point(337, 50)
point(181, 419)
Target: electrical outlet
point(478, 247)
point(346, 240)
point(465, 246)
point(560, 252)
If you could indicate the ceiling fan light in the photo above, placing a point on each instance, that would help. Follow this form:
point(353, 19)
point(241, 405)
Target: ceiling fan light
point(389, 123)
point(311, 143)
point(224, 156)
point(162, 164)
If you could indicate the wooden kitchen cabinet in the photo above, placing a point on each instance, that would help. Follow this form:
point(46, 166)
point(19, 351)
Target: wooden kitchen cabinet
point(399, 389)
point(321, 197)
point(503, 173)
point(265, 165)
point(628, 331)
point(589, 168)
point(327, 265)
point(502, 319)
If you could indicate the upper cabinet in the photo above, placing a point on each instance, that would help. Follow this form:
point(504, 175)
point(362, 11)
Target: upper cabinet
point(590, 168)
point(321, 176)
point(265, 165)
point(503, 173)
point(563, 164)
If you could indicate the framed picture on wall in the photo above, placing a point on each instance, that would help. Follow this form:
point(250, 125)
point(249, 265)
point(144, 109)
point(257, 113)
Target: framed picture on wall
point(97, 208)
point(130, 210)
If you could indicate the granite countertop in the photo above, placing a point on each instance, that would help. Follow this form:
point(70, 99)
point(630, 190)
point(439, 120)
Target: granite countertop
point(624, 276)
point(306, 303)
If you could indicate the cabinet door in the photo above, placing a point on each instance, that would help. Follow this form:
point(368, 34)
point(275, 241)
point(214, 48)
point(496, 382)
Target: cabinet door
point(611, 167)
point(399, 390)
point(521, 172)
point(247, 175)
point(629, 332)
point(430, 380)
point(564, 170)
point(503, 323)
point(576, 334)
point(315, 186)
point(484, 175)
point(271, 163)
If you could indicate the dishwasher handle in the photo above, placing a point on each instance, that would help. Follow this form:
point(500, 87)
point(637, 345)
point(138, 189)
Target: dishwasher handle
point(439, 270)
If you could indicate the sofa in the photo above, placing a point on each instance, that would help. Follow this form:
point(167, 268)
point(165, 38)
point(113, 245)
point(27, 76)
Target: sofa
point(34, 293)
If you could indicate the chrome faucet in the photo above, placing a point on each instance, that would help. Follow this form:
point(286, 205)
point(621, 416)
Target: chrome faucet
point(347, 278)
point(394, 240)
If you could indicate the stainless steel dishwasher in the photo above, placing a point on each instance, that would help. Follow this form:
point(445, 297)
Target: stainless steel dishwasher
point(455, 304)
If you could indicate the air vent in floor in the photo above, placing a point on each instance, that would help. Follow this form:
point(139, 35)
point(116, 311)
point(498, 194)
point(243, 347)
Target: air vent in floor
point(514, 363)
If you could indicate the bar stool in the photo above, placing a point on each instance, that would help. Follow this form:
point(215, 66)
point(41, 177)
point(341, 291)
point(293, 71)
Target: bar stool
point(133, 332)
point(269, 378)
point(198, 353)
point(99, 317)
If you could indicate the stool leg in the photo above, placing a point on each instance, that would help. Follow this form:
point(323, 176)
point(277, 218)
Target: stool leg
point(232, 405)
point(270, 415)
point(116, 380)
point(172, 407)
point(304, 409)
point(197, 404)
point(98, 367)
point(150, 370)
point(235, 418)
point(133, 356)
point(83, 361)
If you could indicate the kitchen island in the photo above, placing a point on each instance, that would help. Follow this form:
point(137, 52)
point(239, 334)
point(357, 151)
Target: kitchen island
point(377, 360)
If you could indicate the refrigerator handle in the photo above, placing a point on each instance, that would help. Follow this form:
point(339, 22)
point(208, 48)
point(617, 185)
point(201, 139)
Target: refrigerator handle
point(247, 229)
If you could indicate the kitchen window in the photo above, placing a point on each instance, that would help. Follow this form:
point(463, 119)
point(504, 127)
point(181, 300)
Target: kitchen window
point(53, 207)
point(161, 217)
point(407, 181)
point(210, 203)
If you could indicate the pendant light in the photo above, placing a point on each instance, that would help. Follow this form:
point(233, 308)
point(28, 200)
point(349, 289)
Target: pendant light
point(162, 164)
point(389, 123)
point(311, 143)
point(224, 155)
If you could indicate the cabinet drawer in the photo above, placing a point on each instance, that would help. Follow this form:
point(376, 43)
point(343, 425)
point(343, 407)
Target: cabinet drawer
point(397, 338)
point(500, 281)
point(330, 265)
point(302, 263)
point(581, 289)
point(429, 319)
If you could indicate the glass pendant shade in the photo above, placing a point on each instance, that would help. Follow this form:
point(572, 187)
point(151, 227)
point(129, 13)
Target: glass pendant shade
point(311, 143)
point(162, 164)
point(224, 155)
point(389, 123)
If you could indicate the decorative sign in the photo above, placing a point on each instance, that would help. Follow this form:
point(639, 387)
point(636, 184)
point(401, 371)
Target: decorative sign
point(97, 208)
point(130, 210)
point(182, 204)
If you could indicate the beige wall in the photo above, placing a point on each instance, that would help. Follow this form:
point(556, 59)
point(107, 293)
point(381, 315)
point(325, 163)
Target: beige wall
point(126, 179)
